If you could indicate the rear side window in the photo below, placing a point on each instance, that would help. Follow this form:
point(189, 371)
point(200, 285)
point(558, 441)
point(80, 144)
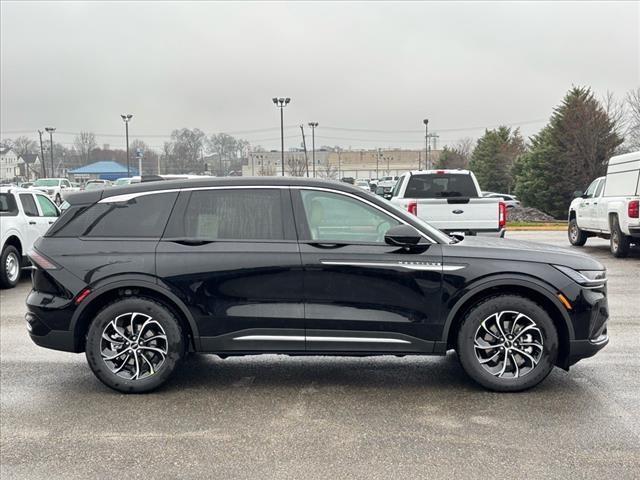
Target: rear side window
point(28, 205)
point(441, 186)
point(233, 214)
point(8, 206)
point(140, 217)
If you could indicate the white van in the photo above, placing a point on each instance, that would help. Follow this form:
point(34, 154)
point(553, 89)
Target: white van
point(610, 206)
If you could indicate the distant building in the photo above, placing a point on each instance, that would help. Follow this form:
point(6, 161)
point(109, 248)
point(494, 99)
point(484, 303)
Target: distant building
point(31, 166)
point(105, 170)
point(295, 164)
point(379, 163)
point(9, 164)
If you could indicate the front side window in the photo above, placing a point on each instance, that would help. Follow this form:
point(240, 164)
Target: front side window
point(600, 188)
point(592, 188)
point(28, 205)
point(47, 206)
point(234, 214)
point(333, 217)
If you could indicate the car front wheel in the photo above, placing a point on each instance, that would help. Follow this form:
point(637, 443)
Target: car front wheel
point(577, 236)
point(507, 343)
point(134, 345)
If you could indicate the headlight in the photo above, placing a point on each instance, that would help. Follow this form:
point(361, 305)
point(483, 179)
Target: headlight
point(587, 278)
point(50, 192)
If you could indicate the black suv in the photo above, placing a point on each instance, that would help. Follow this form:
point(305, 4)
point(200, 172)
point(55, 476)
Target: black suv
point(138, 276)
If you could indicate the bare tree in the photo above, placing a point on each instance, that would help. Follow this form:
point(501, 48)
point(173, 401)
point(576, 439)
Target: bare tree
point(328, 171)
point(267, 170)
point(24, 145)
point(632, 103)
point(85, 143)
point(296, 166)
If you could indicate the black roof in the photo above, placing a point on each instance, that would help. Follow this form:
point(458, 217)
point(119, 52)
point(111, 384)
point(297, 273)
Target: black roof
point(92, 196)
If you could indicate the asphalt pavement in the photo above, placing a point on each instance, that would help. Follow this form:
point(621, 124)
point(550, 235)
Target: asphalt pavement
point(275, 417)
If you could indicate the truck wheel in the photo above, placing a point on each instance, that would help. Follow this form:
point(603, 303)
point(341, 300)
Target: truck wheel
point(619, 241)
point(507, 343)
point(577, 236)
point(9, 267)
point(134, 345)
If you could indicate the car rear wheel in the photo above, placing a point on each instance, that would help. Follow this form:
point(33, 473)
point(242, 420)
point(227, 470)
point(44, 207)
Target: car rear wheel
point(9, 267)
point(577, 236)
point(619, 242)
point(134, 345)
point(507, 343)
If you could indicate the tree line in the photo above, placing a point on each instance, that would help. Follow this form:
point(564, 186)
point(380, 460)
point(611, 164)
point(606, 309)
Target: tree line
point(571, 150)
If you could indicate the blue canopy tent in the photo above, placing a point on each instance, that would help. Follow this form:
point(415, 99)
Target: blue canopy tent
point(105, 169)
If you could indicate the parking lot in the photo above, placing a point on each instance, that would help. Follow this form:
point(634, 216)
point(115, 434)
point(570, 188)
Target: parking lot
point(321, 417)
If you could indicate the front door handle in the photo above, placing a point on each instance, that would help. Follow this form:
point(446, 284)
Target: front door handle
point(32, 222)
point(326, 245)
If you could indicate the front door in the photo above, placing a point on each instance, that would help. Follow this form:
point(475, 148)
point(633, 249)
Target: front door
point(360, 293)
point(232, 255)
point(32, 230)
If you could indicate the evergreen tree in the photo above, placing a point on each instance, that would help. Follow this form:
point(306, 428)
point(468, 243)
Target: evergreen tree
point(493, 159)
point(567, 154)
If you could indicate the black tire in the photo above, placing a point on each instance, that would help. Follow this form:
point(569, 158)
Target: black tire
point(8, 260)
point(546, 356)
point(577, 236)
point(175, 344)
point(58, 199)
point(619, 242)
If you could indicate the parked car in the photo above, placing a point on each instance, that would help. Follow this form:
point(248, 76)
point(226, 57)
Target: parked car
point(97, 184)
point(451, 201)
point(609, 207)
point(239, 266)
point(363, 184)
point(26, 184)
point(387, 182)
point(25, 215)
point(384, 192)
point(55, 188)
point(510, 201)
point(123, 181)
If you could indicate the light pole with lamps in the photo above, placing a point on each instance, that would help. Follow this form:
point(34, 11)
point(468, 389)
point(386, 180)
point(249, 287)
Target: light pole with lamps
point(426, 144)
point(281, 103)
point(313, 126)
point(125, 118)
point(51, 130)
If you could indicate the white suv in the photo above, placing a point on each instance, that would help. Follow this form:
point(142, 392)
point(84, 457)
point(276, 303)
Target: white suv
point(25, 215)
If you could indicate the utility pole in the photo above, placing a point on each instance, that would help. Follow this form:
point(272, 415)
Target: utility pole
point(313, 126)
point(125, 118)
point(281, 103)
point(51, 130)
point(304, 146)
point(377, 164)
point(44, 168)
point(426, 143)
point(339, 175)
point(419, 159)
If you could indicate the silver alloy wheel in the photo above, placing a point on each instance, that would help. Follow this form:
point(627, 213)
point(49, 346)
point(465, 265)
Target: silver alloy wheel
point(134, 346)
point(573, 232)
point(615, 241)
point(508, 344)
point(12, 267)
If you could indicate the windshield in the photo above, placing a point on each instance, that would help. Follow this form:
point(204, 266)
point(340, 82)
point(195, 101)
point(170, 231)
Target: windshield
point(94, 186)
point(122, 181)
point(441, 186)
point(46, 182)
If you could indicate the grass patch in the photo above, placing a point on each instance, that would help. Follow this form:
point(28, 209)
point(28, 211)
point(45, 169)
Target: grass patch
point(536, 225)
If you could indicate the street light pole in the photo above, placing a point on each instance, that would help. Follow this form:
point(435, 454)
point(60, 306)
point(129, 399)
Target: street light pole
point(377, 165)
point(281, 103)
point(426, 144)
point(304, 146)
point(42, 161)
point(51, 130)
point(125, 118)
point(313, 126)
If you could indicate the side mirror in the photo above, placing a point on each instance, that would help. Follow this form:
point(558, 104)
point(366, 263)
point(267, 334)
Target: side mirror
point(577, 194)
point(402, 236)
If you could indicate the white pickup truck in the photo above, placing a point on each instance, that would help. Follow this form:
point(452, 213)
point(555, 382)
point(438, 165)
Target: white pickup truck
point(56, 188)
point(25, 215)
point(451, 201)
point(610, 207)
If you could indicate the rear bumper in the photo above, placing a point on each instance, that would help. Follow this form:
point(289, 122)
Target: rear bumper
point(484, 233)
point(634, 232)
point(43, 336)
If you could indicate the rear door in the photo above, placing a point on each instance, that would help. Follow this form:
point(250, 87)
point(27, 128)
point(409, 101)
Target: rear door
point(231, 254)
point(360, 293)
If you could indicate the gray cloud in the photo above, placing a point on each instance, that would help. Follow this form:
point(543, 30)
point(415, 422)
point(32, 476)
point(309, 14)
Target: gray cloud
point(374, 65)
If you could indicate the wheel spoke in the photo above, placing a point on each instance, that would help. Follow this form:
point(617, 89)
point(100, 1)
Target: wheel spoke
point(153, 349)
point(151, 369)
point(484, 325)
point(527, 329)
point(106, 336)
point(124, 362)
point(515, 364)
point(488, 347)
point(504, 366)
point(487, 360)
point(526, 355)
point(113, 357)
point(498, 317)
point(513, 326)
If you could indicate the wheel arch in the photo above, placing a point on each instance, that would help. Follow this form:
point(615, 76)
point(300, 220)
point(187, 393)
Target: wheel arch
point(105, 294)
point(524, 288)
point(15, 241)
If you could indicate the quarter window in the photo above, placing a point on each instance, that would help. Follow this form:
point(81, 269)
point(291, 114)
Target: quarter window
point(8, 205)
point(234, 214)
point(29, 205)
point(332, 217)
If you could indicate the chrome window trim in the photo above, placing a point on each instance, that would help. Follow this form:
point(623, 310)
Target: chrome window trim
point(129, 196)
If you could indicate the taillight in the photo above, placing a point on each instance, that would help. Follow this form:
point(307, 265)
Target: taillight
point(41, 261)
point(412, 206)
point(502, 215)
point(633, 209)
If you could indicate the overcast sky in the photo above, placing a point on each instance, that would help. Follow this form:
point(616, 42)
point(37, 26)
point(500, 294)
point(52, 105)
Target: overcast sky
point(361, 66)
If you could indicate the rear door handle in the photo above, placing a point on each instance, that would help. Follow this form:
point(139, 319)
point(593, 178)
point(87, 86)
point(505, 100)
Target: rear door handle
point(192, 242)
point(32, 223)
point(326, 245)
